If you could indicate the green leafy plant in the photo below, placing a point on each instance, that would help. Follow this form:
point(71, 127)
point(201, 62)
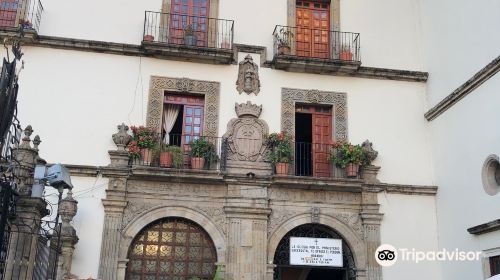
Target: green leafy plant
point(144, 137)
point(201, 148)
point(176, 151)
point(343, 154)
point(281, 147)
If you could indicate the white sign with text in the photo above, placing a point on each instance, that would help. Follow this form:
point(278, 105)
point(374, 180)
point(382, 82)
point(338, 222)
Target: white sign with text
point(316, 251)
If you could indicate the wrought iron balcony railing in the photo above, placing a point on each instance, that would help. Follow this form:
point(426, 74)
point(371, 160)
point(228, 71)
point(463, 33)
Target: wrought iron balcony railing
point(26, 14)
point(185, 30)
point(305, 159)
point(316, 43)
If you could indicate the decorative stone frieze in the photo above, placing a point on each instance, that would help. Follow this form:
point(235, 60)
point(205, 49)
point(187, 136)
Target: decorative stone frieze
point(248, 76)
point(338, 100)
point(246, 141)
point(210, 90)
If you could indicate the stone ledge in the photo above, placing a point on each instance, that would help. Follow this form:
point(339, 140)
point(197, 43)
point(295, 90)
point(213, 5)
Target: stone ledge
point(312, 183)
point(147, 49)
point(478, 79)
point(405, 189)
point(344, 68)
point(485, 228)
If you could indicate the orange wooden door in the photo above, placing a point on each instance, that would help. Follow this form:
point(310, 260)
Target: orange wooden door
point(8, 12)
point(313, 29)
point(192, 13)
point(321, 139)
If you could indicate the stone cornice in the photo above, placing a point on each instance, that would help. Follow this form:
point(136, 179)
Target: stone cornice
point(478, 79)
point(216, 56)
point(485, 228)
point(405, 189)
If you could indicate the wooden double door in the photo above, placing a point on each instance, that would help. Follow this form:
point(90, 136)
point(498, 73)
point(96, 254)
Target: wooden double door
point(189, 13)
point(320, 141)
point(313, 29)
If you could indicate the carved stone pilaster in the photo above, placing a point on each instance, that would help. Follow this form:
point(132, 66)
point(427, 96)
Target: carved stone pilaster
point(67, 211)
point(247, 247)
point(27, 157)
point(114, 205)
point(371, 222)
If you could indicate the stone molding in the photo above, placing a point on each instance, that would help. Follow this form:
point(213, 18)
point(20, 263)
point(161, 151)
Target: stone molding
point(338, 100)
point(357, 244)
point(469, 86)
point(485, 228)
point(210, 90)
point(159, 212)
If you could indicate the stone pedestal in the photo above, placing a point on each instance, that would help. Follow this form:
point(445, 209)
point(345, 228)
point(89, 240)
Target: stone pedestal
point(67, 211)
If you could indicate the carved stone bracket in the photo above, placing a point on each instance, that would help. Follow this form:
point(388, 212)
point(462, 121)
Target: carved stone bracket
point(289, 97)
point(210, 90)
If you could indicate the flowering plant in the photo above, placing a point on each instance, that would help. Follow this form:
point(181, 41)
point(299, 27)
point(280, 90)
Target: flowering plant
point(345, 153)
point(134, 150)
point(281, 147)
point(145, 138)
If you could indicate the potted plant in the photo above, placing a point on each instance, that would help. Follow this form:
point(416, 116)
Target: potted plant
point(283, 40)
point(348, 156)
point(170, 156)
point(189, 35)
point(345, 53)
point(26, 24)
point(145, 139)
point(148, 38)
point(225, 43)
point(201, 151)
point(280, 151)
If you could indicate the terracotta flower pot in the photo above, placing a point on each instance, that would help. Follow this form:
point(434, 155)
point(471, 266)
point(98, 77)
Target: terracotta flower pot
point(148, 38)
point(197, 163)
point(166, 159)
point(284, 50)
point(282, 168)
point(352, 170)
point(346, 56)
point(146, 156)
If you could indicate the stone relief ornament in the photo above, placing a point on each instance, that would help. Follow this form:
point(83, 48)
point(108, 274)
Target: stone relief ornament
point(367, 147)
point(122, 138)
point(248, 76)
point(245, 138)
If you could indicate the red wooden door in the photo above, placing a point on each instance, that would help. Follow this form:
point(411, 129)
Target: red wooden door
point(8, 12)
point(313, 29)
point(192, 13)
point(321, 139)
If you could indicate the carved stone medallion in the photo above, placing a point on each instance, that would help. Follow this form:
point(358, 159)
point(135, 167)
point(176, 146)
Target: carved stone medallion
point(245, 138)
point(248, 76)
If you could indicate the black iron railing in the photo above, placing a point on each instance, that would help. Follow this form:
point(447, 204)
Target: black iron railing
point(27, 14)
point(316, 43)
point(176, 153)
point(178, 29)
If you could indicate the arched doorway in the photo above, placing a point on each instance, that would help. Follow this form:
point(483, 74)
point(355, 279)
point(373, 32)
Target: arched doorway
point(285, 271)
point(173, 249)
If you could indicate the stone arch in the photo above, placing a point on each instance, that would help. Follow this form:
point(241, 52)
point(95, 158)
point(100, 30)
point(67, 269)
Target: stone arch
point(356, 244)
point(149, 216)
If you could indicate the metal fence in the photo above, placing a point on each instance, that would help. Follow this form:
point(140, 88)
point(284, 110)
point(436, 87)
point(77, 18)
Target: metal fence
point(316, 43)
point(178, 29)
point(25, 13)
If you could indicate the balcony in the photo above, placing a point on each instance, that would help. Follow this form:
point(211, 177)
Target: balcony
point(309, 161)
point(299, 49)
point(188, 38)
point(16, 15)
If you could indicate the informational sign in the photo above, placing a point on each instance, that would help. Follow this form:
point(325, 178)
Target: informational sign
point(316, 251)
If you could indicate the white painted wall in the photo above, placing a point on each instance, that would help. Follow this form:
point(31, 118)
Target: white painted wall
point(87, 94)
point(390, 35)
point(460, 37)
point(88, 224)
point(409, 222)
